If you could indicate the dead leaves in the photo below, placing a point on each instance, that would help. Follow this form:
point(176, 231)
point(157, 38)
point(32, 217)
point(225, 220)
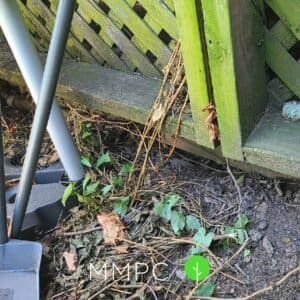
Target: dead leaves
point(122, 249)
point(70, 259)
point(113, 228)
point(211, 122)
point(157, 113)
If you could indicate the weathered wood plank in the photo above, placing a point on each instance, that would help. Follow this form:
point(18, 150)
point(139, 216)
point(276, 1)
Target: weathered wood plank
point(284, 35)
point(170, 4)
point(289, 12)
point(162, 15)
point(278, 92)
point(282, 63)
point(82, 31)
point(154, 24)
point(122, 14)
point(74, 48)
point(195, 66)
point(90, 11)
point(234, 34)
point(35, 26)
point(275, 144)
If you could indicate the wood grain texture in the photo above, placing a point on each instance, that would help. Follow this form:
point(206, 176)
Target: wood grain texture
point(195, 66)
point(289, 12)
point(234, 34)
point(282, 63)
point(115, 36)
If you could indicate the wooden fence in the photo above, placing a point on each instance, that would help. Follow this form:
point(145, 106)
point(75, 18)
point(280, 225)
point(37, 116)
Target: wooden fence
point(125, 35)
point(282, 48)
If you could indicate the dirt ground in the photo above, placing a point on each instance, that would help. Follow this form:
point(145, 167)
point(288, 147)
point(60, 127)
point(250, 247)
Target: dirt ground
point(214, 194)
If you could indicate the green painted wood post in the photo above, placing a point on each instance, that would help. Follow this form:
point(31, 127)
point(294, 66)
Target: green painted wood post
point(193, 53)
point(235, 42)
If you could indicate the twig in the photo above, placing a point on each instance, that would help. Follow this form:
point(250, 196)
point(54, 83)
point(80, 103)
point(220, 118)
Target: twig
point(261, 291)
point(274, 285)
point(82, 231)
point(235, 182)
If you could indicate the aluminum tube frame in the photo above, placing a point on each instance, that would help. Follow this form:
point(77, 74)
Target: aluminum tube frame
point(3, 215)
point(28, 60)
point(49, 83)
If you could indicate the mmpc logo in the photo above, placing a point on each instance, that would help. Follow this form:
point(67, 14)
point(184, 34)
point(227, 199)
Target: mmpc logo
point(196, 268)
point(129, 271)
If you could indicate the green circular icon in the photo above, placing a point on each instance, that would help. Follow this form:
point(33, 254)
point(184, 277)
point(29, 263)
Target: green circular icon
point(196, 268)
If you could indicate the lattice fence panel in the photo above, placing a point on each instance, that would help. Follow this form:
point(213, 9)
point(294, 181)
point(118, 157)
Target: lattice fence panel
point(127, 35)
point(283, 47)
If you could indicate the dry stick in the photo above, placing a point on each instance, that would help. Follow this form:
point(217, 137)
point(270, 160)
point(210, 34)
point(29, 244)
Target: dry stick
point(232, 278)
point(227, 262)
point(274, 285)
point(235, 182)
point(150, 249)
point(191, 242)
point(106, 287)
point(177, 132)
point(157, 100)
point(68, 291)
point(173, 98)
point(86, 231)
point(153, 137)
point(261, 291)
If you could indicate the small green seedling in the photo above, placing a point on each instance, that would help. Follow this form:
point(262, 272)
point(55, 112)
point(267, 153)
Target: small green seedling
point(120, 207)
point(238, 230)
point(103, 159)
point(86, 130)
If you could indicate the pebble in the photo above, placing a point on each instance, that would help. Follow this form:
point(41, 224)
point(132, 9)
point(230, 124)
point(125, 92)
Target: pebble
point(297, 197)
point(291, 111)
point(262, 225)
point(267, 245)
point(255, 235)
point(261, 210)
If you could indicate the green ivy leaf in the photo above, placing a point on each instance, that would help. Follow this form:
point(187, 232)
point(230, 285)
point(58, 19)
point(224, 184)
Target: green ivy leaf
point(203, 238)
point(127, 169)
point(86, 161)
point(239, 234)
point(242, 222)
point(86, 135)
point(206, 290)
point(103, 159)
point(164, 208)
point(91, 189)
point(85, 182)
point(177, 221)
point(106, 189)
point(246, 252)
point(120, 207)
point(192, 223)
point(81, 198)
point(242, 235)
point(67, 193)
